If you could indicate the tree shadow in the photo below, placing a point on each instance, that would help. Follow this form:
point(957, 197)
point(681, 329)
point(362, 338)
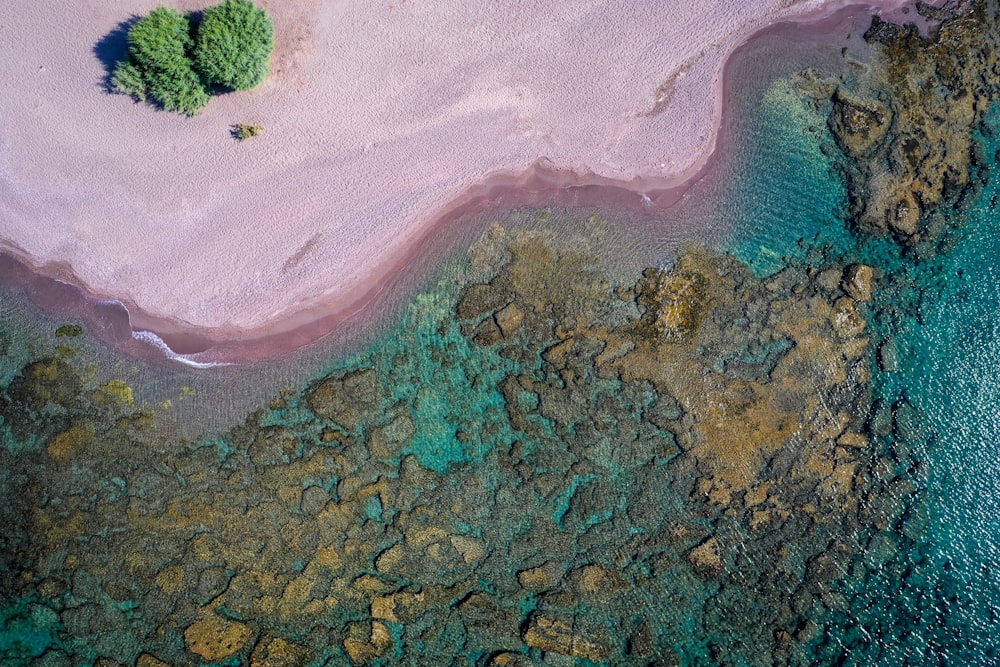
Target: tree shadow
point(112, 49)
point(194, 18)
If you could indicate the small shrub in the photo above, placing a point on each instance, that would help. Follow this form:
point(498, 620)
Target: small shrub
point(127, 79)
point(244, 131)
point(234, 45)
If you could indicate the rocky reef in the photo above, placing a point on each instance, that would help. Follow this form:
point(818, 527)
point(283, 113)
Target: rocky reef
point(908, 125)
point(540, 467)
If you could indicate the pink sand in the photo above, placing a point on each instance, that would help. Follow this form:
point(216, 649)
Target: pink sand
point(380, 118)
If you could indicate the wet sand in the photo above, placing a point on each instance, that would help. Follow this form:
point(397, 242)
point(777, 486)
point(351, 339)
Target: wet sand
point(382, 126)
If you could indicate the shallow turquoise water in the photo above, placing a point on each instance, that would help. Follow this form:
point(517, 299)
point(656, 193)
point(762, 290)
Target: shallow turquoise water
point(789, 196)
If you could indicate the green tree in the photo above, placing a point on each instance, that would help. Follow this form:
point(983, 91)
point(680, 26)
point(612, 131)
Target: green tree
point(161, 41)
point(232, 48)
point(234, 45)
point(127, 79)
point(159, 63)
point(178, 91)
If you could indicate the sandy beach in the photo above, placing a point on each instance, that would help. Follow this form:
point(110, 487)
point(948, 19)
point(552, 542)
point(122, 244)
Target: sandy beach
point(380, 119)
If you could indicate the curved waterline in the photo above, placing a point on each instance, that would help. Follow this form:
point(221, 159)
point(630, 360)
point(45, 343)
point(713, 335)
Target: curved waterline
point(309, 320)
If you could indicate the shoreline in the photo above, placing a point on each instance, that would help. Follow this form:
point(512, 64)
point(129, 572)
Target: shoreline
point(127, 326)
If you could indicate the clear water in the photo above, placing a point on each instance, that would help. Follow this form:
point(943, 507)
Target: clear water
point(937, 601)
point(945, 601)
point(791, 196)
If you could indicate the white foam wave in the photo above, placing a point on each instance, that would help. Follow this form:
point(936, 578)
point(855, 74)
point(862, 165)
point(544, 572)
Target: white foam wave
point(151, 338)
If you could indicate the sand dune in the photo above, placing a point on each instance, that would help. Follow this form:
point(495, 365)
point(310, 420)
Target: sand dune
point(379, 116)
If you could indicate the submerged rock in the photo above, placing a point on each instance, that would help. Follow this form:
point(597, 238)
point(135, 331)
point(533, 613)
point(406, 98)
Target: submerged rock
point(543, 577)
point(859, 282)
point(214, 638)
point(345, 400)
point(706, 559)
point(858, 125)
point(367, 642)
point(480, 299)
point(888, 356)
point(553, 635)
point(277, 652)
point(934, 90)
point(387, 441)
point(273, 445)
point(71, 441)
point(509, 319)
point(41, 382)
point(673, 302)
point(147, 660)
point(510, 660)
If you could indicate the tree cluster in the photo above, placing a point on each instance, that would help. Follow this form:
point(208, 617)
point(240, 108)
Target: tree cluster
point(179, 63)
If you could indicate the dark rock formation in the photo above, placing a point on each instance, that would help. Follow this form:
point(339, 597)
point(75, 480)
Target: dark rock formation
point(859, 126)
point(915, 163)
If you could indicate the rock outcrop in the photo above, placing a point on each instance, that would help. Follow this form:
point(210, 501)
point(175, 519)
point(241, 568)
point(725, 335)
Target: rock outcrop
point(909, 128)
